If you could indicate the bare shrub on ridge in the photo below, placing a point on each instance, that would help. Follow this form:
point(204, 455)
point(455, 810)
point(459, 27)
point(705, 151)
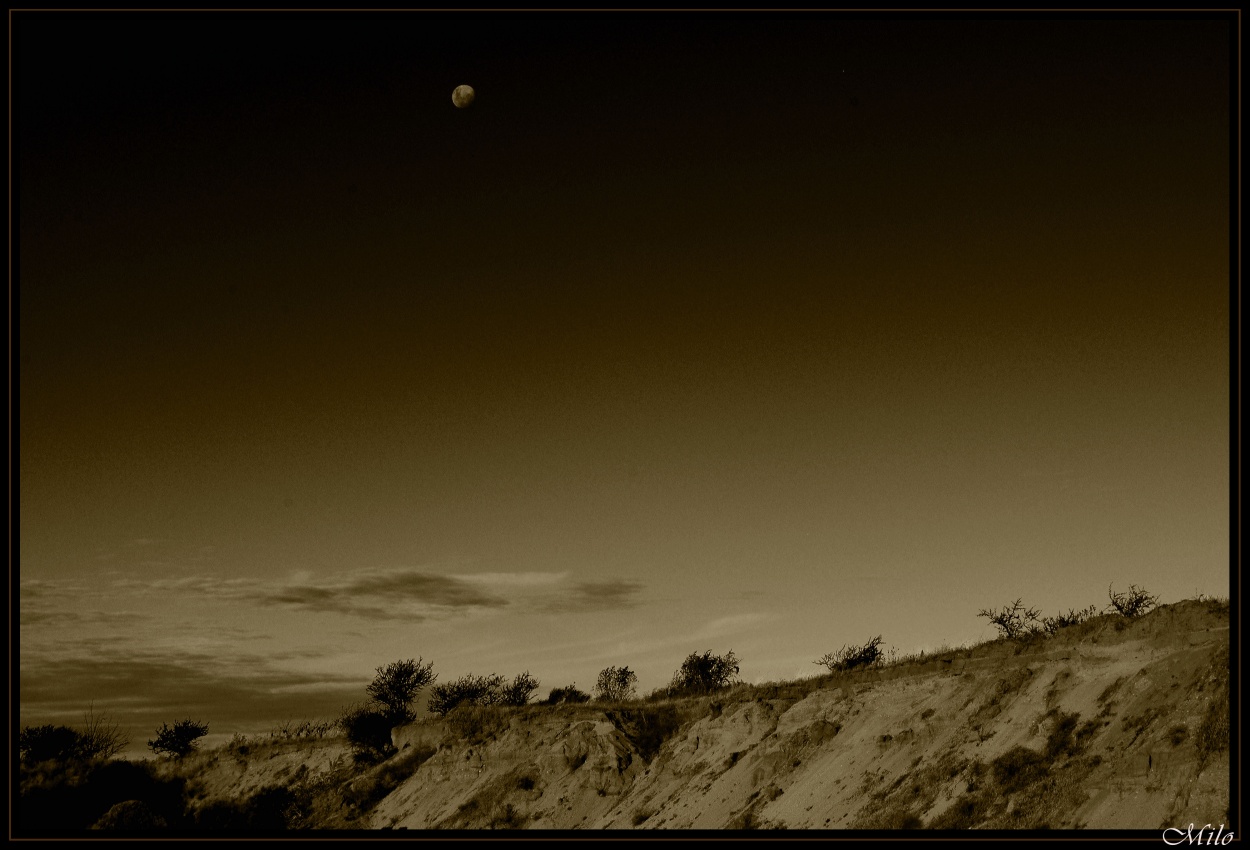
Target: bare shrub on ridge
point(849, 657)
point(1131, 603)
point(1014, 620)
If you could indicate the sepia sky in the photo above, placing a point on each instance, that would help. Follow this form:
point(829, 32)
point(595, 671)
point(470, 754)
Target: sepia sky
point(709, 331)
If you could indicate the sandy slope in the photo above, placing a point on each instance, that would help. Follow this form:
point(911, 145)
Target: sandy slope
point(1096, 727)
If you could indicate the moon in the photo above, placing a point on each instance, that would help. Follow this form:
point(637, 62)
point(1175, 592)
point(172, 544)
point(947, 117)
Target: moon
point(462, 96)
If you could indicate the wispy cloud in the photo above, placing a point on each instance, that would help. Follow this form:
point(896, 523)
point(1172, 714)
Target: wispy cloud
point(696, 639)
point(592, 596)
point(142, 689)
point(403, 593)
point(45, 615)
point(394, 594)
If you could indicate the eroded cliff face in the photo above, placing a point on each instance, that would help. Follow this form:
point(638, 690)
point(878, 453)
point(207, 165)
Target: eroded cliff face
point(1111, 724)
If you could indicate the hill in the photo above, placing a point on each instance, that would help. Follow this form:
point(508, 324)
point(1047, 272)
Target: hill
point(1110, 724)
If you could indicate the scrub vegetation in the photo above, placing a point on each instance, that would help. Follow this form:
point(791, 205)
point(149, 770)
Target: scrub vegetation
point(71, 778)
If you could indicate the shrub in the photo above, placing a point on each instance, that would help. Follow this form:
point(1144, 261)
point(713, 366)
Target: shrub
point(647, 728)
point(178, 740)
point(1132, 603)
point(616, 684)
point(467, 690)
point(396, 686)
point(519, 690)
point(43, 743)
point(850, 657)
point(1073, 618)
point(101, 737)
point(368, 730)
point(1017, 768)
point(1060, 741)
point(1014, 621)
point(76, 795)
point(569, 693)
point(702, 674)
point(365, 792)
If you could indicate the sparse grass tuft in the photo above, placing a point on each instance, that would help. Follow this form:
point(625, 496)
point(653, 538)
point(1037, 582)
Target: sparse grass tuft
point(365, 792)
point(476, 724)
point(1212, 735)
point(1051, 625)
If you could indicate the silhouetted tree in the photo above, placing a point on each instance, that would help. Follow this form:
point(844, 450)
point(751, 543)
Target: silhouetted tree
point(396, 686)
point(615, 684)
point(518, 691)
point(178, 740)
point(368, 730)
point(42, 743)
point(702, 674)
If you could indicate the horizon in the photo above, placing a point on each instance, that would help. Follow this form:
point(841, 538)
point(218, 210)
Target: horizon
point(763, 333)
point(136, 748)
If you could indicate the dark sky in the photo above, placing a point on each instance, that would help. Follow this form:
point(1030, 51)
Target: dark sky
point(743, 329)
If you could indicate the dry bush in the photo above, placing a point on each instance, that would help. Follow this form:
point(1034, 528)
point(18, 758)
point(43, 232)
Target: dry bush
point(616, 684)
point(48, 742)
point(396, 686)
point(518, 691)
point(569, 694)
point(1050, 625)
point(1014, 620)
point(178, 740)
point(101, 737)
point(467, 690)
point(1132, 603)
point(703, 674)
point(367, 728)
point(851, 656)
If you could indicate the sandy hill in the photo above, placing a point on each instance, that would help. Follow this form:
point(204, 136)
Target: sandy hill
point(1112, 723)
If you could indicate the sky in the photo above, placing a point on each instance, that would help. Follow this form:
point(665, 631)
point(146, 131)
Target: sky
point(716, 331)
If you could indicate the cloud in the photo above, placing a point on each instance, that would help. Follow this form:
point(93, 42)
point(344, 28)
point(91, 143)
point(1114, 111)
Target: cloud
point(48, 616)
point(394, 594)
point(590, 596)
point(142, 690)
point(729, 625)
point(402, 593)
